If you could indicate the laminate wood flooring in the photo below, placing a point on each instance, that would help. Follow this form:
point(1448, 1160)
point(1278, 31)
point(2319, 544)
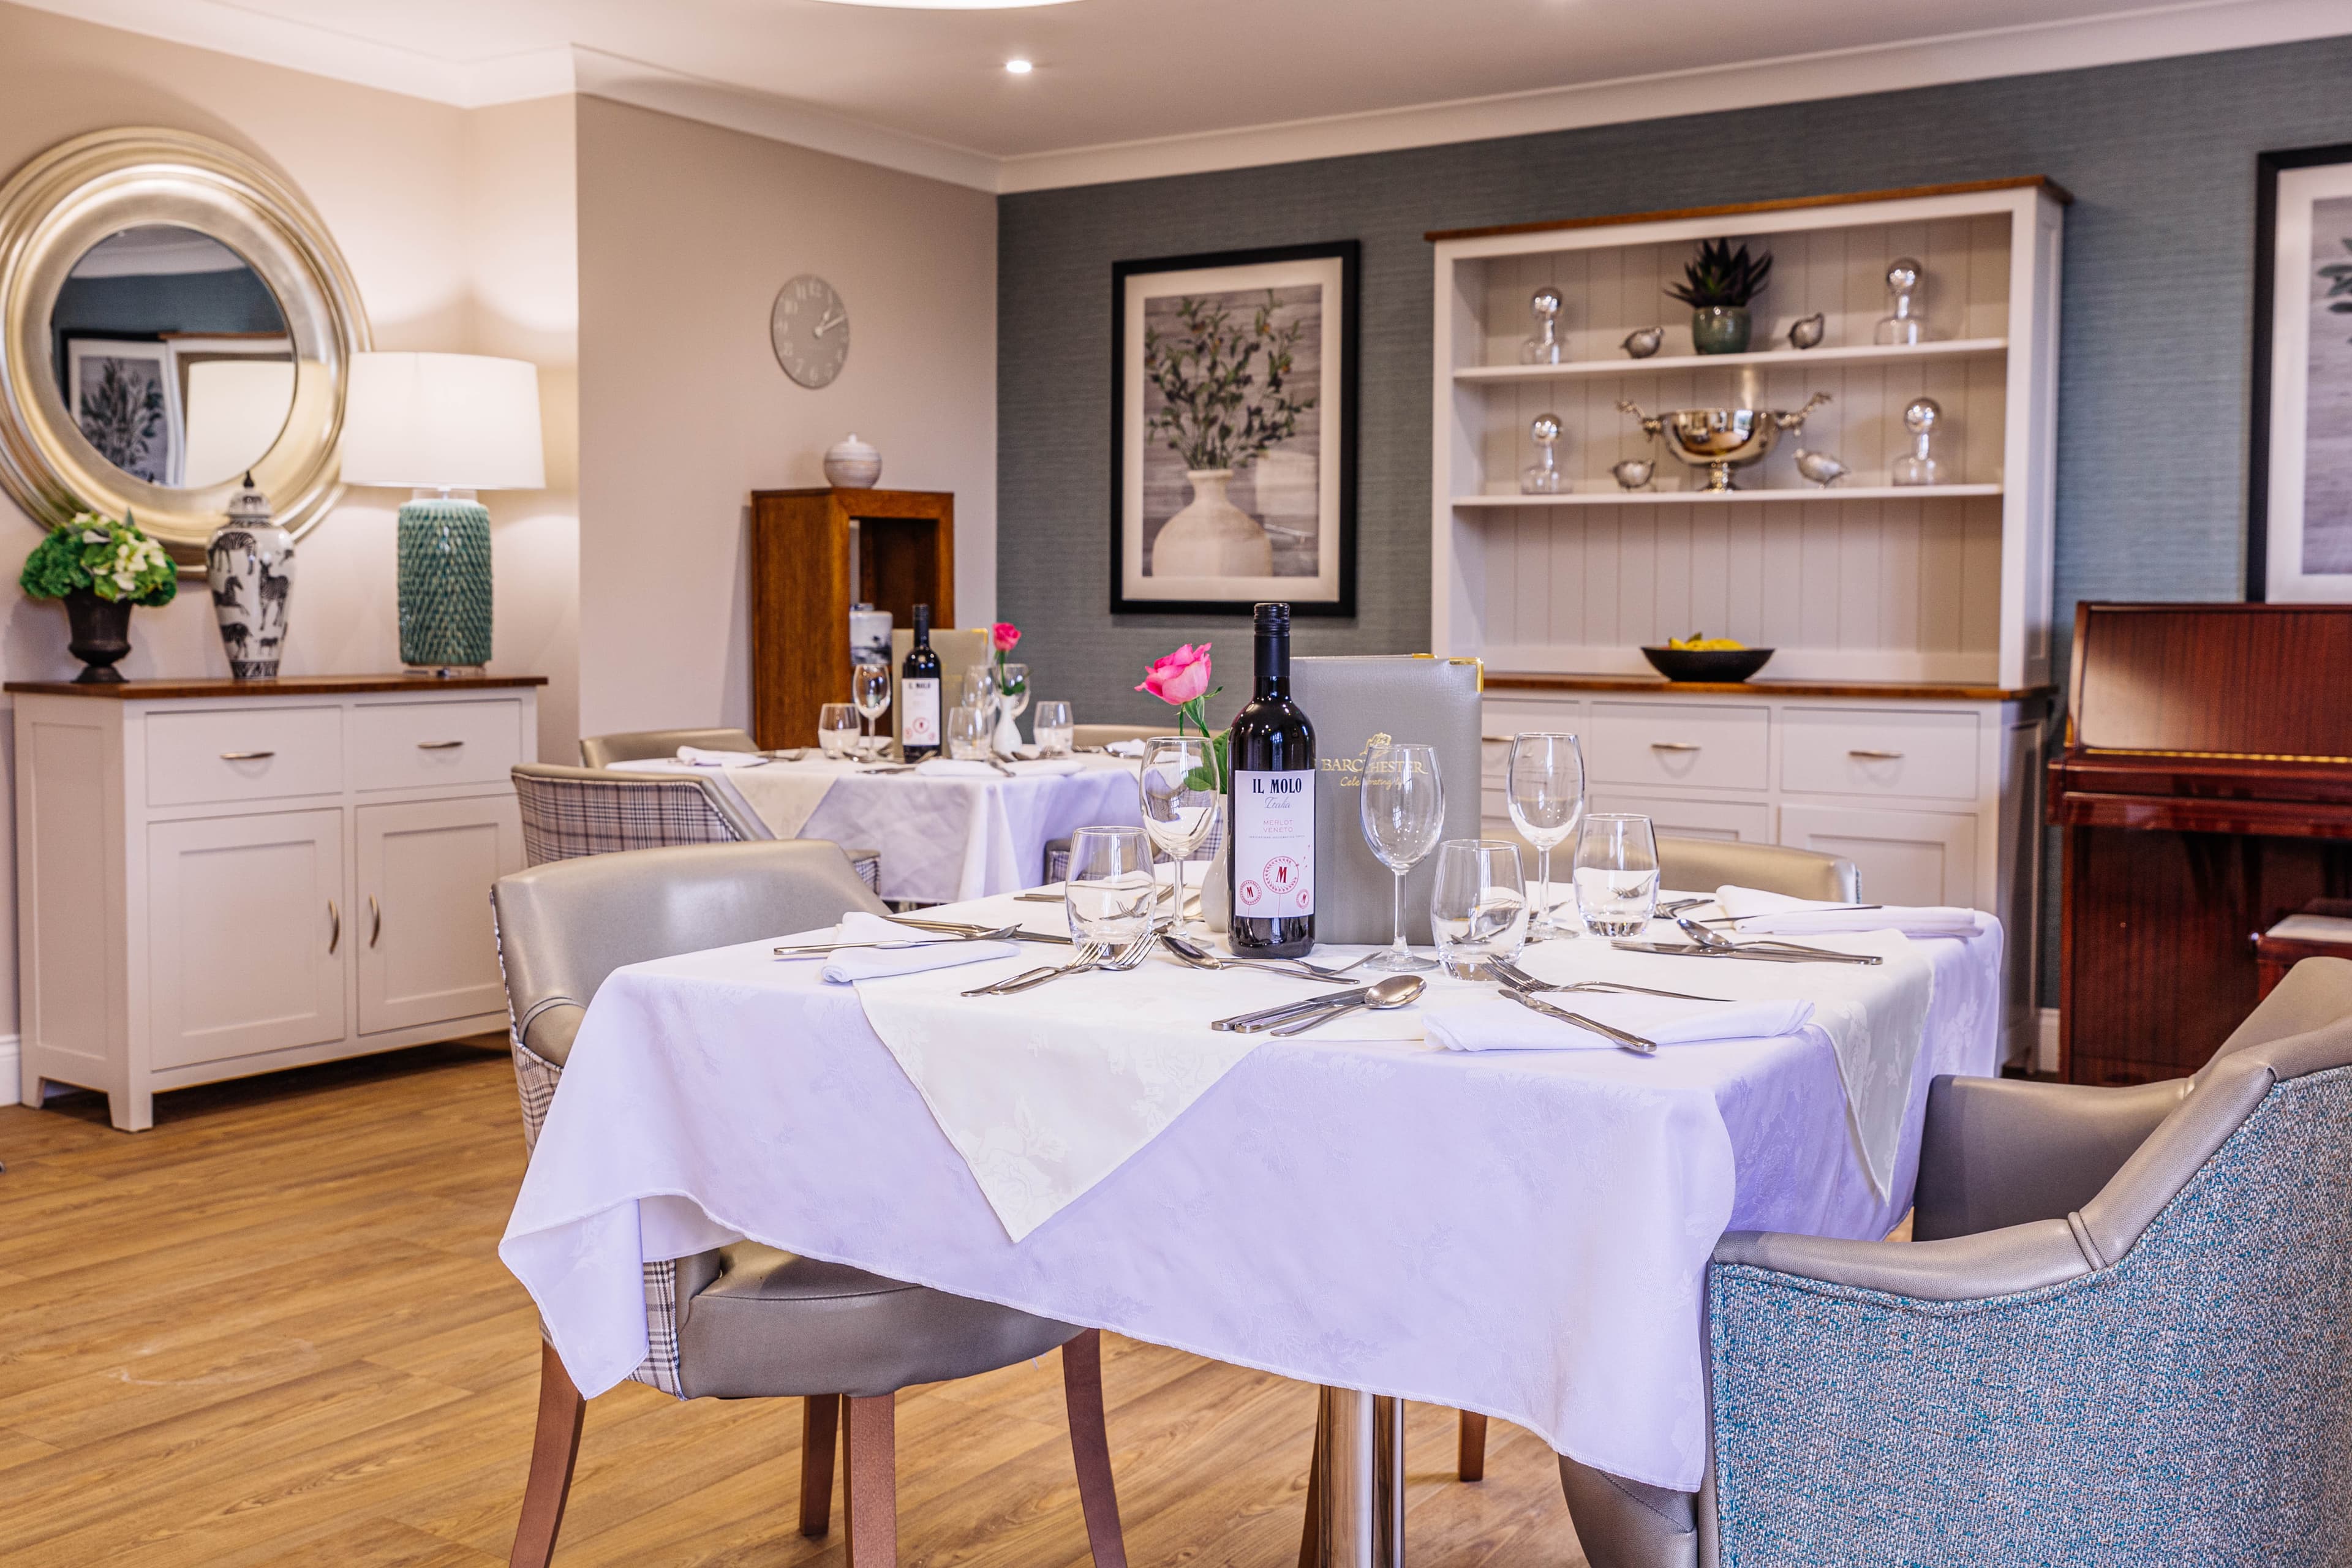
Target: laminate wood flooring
point(274, 1331)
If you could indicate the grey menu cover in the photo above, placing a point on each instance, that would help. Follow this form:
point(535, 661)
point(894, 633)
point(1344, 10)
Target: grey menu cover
point(1406, 698)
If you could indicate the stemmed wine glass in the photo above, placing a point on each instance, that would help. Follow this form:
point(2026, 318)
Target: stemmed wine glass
point(1546, 794)
point(980, 692)
point(869, 689)
point(1181, 803)
point(1403, 810)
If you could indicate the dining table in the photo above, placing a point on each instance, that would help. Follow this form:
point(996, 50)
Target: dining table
point(949, 828)
point(1521, 1233)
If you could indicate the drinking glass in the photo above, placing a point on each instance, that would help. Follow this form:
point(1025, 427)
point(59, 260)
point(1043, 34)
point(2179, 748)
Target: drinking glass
point(1181, 803)
point(869, 689)
point(1616, 873)
point(980, 692)
point(1111, 890)
point(1012, 689)
point(1546, 794)
point(1478, 906)
point(1403, 809)
point(1056, 733)
point(836, 728)
point(968, 733)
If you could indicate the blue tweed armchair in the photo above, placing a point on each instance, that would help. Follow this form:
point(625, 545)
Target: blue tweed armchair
point(2123, 1335)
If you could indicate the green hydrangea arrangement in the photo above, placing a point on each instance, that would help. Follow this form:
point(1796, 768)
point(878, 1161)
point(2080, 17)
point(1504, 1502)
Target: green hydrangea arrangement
point(114, 560)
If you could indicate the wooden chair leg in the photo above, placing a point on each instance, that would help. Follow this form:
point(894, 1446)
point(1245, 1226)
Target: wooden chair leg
point(1311, 1538)
point(820, 1422)
point(1082, 1389)
point(869, 1481)
point(1472, 1451)
point(554, 1450)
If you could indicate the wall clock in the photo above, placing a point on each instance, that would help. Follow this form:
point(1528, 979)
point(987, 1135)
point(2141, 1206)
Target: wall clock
point(810, 327)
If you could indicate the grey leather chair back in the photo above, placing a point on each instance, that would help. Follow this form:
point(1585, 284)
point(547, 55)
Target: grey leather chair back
point(638, 746)
point(1703, 864)
point(1105, 734)
point(561, 928)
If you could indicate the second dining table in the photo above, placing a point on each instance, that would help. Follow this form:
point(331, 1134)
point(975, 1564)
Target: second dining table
point(1523, 1233)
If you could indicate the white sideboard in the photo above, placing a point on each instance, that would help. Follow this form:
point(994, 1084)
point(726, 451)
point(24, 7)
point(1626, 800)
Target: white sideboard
point(218, 877)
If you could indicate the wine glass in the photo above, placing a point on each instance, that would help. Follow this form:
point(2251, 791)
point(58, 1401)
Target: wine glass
point(869, 689)
point(836, 728)
point(1545, 794)
point(1616, 873)
point(1403, 810)
point(1181, 802)
point(1013, 691)
point(980, 690)
point(968, 733)
point(1054, 729)
point(1110, 887)
point(1478, 906)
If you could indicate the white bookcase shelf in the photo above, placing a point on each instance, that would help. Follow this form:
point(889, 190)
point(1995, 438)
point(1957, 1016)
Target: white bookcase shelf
point(1919, 614)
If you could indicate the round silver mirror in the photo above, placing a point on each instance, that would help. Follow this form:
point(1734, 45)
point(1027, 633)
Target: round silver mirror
point(173, 315)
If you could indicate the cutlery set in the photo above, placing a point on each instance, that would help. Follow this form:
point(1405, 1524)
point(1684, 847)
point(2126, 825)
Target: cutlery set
point(1297, 1018)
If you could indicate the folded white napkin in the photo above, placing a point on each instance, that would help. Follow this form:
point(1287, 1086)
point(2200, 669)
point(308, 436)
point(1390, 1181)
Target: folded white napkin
point(1048, 768)
point(700, 758)
point(1776, 914)
point(875, 963)
point(1131, 750)
point(954, 768)
point(1497, 1024)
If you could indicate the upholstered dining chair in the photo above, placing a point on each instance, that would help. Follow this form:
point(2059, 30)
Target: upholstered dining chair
point(570, 812)
point(2119, 1336)
point(1110, 734)
point(1703, 864)
point(641, 745)
point(749, 1321)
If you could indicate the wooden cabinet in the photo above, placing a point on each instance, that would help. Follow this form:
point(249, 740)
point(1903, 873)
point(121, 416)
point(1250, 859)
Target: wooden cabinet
point(217, 878)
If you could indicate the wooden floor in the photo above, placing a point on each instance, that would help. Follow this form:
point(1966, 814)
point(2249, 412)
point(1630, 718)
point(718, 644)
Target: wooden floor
point(275, 1330)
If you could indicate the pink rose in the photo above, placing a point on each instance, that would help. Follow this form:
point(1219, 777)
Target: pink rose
point(1005, 634)
point(1181, 676)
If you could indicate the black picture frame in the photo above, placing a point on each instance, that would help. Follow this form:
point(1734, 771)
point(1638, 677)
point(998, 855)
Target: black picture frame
point(2268, 166)
point(1338, 427)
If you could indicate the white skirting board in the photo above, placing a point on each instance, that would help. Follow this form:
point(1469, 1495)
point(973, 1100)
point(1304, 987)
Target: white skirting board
point(8, 1065)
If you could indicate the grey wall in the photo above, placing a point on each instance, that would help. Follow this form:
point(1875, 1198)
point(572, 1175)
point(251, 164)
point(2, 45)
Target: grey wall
point(2153, 369)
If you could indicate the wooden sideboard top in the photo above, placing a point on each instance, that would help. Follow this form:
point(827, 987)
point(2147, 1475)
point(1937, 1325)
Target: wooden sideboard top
point(1887, 690)
point(280, 686)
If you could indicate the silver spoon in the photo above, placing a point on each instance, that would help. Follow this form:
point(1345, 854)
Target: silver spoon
point(1380, 995)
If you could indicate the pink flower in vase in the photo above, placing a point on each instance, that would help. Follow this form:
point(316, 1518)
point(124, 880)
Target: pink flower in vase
point(1179, 676)
point(1004, 633)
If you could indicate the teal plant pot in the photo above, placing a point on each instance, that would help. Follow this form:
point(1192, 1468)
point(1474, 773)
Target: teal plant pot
point(1721, 330)
point(444, 584)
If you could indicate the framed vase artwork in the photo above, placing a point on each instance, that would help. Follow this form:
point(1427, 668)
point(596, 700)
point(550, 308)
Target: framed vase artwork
point(2299, 490)
point(1234, 431)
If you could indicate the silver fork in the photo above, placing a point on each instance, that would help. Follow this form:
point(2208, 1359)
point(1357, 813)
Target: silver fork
point(1128, 957)
point(1084, 956)
point(1518, 979)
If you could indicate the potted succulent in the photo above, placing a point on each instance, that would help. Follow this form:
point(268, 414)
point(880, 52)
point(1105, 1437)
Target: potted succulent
point(1718, 282)
point(100, 568)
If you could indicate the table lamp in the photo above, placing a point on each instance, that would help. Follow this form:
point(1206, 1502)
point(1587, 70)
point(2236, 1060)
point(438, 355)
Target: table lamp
point(448, 425)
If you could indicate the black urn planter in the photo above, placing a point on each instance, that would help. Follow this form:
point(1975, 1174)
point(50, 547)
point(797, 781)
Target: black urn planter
point(100, 634)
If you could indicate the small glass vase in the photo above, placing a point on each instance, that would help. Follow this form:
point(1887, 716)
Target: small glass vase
point(1721, 330)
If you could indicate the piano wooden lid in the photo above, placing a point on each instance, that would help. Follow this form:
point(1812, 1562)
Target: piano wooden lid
point(2250, 684)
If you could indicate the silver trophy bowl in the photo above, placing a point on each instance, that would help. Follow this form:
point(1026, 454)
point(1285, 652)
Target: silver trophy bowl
point(1721, 439)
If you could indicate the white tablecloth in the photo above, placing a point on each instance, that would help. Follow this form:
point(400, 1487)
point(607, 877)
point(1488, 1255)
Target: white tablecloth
point(941, 839)
point(1523, 1233)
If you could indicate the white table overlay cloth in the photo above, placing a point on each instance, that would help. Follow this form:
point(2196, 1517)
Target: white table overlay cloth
point(941, 839)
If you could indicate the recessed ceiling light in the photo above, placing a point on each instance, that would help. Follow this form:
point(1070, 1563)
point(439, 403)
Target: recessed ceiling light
point(1019, 68)
point(949, 4)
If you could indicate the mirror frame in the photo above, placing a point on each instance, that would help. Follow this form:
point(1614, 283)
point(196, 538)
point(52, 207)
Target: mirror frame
point(81, 192)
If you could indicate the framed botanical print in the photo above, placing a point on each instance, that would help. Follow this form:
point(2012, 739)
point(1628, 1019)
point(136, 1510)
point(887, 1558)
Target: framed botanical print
point(2299, 499)
point(1234, 431)
point(125, 397)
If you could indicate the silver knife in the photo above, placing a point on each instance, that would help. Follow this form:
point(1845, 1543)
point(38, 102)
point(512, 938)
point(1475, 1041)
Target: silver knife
point(1625, 1042)
point(1267, 1017)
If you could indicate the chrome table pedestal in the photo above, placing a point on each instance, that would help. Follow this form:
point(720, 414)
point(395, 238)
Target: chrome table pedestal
point(1360, 1480)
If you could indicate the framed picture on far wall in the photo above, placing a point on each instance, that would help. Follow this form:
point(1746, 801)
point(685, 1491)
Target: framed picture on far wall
point(2299, 501)
point(1234, 431)
point(125, 397)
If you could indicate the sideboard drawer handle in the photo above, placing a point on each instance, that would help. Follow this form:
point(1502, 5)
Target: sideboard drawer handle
point(438, 745)
point(1868, 755)
point(335, 939)
point(247, 756)
point(1673, 746)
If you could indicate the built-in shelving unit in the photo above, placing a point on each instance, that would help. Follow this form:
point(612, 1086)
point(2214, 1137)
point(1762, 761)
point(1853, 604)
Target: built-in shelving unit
point(1902, 724)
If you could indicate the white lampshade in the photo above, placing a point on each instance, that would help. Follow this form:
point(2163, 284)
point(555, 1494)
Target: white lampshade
point(443, 422)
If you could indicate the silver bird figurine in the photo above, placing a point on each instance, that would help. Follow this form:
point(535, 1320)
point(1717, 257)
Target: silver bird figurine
point(1642, 341)
point(1635, 472)
point(1821, 467)
point(1805, 331)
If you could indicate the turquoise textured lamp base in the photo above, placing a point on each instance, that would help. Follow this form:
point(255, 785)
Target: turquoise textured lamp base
point(444, 584)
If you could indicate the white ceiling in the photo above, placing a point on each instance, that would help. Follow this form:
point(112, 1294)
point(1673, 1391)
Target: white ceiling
point(1125, 88)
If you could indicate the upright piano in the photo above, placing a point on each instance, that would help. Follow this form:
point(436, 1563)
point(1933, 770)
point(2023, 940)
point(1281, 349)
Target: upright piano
point(2205, 787)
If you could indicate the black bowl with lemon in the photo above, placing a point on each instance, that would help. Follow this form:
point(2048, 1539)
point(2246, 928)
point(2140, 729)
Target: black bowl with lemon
point(1700, 658)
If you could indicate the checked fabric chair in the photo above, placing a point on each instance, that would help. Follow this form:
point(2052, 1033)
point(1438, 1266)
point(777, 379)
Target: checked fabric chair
point(749, 1321)
point(2121, 1336)
point(570, 812)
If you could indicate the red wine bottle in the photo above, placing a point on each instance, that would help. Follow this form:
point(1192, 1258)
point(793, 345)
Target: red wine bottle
point(919, 694)
point(1270, 806)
